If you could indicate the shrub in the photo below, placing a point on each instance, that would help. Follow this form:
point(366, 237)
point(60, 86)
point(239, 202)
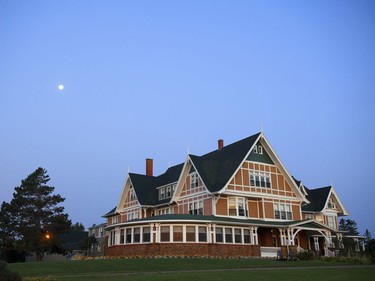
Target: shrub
point(306, 255)
point(7, 275)
point(371, 250)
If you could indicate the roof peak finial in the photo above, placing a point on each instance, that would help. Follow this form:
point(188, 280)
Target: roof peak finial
point(128, 169)
point(188, 149)
point(261, 127)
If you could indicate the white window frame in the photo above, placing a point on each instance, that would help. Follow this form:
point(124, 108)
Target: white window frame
point(282, 211)
point(237, 202)
point(196, 207)
point(194, 180)
point(260, 179)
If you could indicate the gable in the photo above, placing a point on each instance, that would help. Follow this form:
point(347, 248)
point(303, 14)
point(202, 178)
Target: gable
point(259, 154)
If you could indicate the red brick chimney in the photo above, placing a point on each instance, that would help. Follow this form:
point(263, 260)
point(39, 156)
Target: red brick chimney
point(220, 144)
point(149, 167)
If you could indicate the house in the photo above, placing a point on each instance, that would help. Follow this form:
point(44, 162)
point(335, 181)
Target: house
point(98, 232)
point(238, 200)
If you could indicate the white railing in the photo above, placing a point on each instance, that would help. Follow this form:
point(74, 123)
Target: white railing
point(269, 252)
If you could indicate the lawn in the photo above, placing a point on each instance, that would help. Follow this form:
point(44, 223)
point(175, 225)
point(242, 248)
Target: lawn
point(198, 269)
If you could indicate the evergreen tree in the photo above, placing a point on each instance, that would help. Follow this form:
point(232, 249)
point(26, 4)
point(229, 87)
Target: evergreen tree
point(348, 225)
point(34, 216)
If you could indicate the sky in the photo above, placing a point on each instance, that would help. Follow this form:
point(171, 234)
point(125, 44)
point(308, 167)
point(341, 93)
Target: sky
point(156, 79)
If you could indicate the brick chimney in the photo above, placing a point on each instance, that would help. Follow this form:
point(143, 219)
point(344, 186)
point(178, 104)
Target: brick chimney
point(149, 167)
point(220, 144)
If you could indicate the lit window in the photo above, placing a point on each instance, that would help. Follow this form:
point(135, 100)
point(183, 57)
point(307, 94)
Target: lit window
point(190, 233)
point(164, 233)
point(177, 233)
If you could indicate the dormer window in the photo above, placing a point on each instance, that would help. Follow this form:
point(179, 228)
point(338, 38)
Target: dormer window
point(166, 191)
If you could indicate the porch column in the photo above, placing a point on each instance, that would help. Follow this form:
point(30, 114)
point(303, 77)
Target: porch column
point(290, 240)
point(316, 243)
point(155, 230)
point(255, 235)
point(282, 236)
point(209, 233)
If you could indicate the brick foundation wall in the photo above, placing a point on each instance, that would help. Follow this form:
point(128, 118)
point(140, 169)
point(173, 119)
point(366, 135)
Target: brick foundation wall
point(184, 249)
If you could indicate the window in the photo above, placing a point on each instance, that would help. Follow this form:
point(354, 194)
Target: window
point(169, 191)
point(219, 234)
point(246, 236)
point(260, 179)
point(194, 182)
point(309, 216)
point(276, 209)
point(228, 235)
point(164, 233)
point(237, 206)
point(133, 197)
point(161, 193)
point(128, 235)
point(196, 208)
point(190, 233)
point(165, 211)
point(331, 221)
point(122, 236)
point(282, 211)
point(202, 233)
point(137, 235)
point(177, 233)
point(237, 235)
point(288, 212)
point(331, 204)
point(258, 149)
point(132, 216)
point(112, 238)
point(146, 234)
point(166, 191)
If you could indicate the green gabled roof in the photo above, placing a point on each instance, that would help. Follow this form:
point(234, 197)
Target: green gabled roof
point(217, 167)
point(146, 186)
point(317, 197)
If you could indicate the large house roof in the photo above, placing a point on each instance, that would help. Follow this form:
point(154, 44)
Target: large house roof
point(317, 197)
point(146, 186)
point(215, 169)
point(218, 166)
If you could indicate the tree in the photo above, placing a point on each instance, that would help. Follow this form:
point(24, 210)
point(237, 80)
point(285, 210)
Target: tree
point(77, 227)
point(348, 225)
point(33, 217)
point(367, 236)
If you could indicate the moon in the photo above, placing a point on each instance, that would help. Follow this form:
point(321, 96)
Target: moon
point(61, 87)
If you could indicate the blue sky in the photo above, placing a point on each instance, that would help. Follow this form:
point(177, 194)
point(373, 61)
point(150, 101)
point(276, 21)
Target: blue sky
point(152, 78)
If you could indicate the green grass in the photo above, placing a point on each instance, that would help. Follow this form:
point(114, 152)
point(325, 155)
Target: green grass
point(190, 269)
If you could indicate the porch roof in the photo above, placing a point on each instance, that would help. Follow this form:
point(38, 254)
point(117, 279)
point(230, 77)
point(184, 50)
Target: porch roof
point(183, 218)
